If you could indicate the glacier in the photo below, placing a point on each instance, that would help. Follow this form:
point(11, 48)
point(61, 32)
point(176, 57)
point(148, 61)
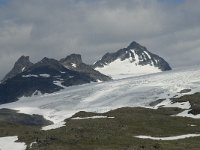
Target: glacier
point(102, 97)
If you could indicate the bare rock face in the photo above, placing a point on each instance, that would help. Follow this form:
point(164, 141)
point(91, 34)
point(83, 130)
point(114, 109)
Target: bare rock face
point(22, 64)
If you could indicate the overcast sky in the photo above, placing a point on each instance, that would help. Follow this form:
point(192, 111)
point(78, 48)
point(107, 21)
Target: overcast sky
point(56, 28)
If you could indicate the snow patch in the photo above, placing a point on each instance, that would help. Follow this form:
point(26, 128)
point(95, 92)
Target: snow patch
point(192, 125)
point(147, 54)
point(29, 75)
point(45, 75)
point(9, 143)
point(59, 83)
point(122, 69)
point(185, 113)
point(136, 57)
point(74, 65)
point(169, 103)
point(182, 105)
point(32, 144)
point(168, 138)
point(23, 69)
point(54, 126)
point(36, 93)
point(98, 80)
point(93, 117)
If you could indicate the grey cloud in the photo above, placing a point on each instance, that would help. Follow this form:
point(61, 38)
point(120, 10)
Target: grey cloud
point(92, 27)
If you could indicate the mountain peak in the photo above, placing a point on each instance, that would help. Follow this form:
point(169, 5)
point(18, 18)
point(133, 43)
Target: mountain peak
point(131, 61)
point(23, 58)
point(23, 61)
point(48, 62)
point(72, 59)
point(74, 62)
point(22, 64)
point(135, 45)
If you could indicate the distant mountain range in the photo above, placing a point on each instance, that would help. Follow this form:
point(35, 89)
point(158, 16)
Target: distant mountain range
point(50, 75)
point(46, 76)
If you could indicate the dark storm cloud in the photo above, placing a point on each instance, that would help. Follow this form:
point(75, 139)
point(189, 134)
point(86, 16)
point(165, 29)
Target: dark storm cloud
point(170, 28)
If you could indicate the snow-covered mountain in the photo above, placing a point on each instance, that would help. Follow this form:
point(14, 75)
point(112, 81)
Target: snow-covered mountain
point(134, 60)
point(46, 76)
point(102, 97)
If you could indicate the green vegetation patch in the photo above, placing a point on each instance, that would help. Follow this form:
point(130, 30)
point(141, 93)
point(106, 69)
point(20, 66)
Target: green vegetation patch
point(118, 133)
point(115, 133)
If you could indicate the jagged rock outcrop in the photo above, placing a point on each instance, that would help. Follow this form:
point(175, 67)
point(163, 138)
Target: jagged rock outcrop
point(22, 64)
